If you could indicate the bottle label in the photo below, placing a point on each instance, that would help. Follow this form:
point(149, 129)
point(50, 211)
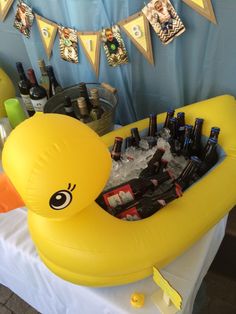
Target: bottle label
point(27, 102)
point(39, 104)
point(131, 214)
point(121, 195)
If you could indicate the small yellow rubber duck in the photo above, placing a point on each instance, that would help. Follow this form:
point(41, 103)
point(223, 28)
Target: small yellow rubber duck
point(137, 300)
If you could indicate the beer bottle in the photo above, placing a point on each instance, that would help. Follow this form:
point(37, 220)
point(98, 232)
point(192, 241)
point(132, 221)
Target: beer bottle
point(83, 92)
point(44, 78)
point(214, 132)
point(54, 86)
point(69, 107)
point(196, 147)
point(97, 111)
point(83, 109)
point(181, 127)
point(209, 158)
point(152, 129)
point(145, 206)
point(136, 137)
point(174, 145)
point(187, 176)
point(186, 150)
point(153, 164)
point(128, 142)
point(129, 191)
point(116, 149)
point(169, 115)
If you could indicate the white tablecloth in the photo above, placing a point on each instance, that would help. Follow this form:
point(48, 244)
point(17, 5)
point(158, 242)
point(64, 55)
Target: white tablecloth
point(23, 272)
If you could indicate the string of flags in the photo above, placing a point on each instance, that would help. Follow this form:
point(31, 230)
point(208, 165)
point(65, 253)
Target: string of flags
point(160, 14)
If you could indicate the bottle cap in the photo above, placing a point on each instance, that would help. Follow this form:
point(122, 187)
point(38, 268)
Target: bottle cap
point(180, 114)
point(199, 120)
point(215, 128)
point(152, 115)
point(171, 111)
point(118, 138)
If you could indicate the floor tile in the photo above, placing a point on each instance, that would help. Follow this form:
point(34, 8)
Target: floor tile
point(17, 305)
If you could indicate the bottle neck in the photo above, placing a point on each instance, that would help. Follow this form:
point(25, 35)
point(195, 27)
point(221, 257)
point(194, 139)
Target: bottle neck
point(32, 77)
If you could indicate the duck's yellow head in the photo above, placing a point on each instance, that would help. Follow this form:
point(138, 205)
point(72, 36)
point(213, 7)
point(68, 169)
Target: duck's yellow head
point(57, 164)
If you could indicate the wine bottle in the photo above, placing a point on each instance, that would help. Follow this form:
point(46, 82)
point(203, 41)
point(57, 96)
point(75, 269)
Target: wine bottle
point(128, 191)
point(174, 144)
point(83, 109)
point(116, 149)
point(145, 206)
point(38, 94)
point(44, 80)
point(69, 107)
point(84, 93)
point(54, 86)
point(24, 88)
point(97, 111)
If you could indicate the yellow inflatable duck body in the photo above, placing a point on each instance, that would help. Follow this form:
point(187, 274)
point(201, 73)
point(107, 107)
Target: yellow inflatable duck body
point(58, 166)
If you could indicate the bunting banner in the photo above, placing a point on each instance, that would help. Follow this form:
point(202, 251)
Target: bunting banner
point(90, 41)
point(164, 20)
point(24, 19)
point(47, 31)
point(203, 7)
point(137, 29)
point(114, 46)
point(4, 8)
point(68, 42)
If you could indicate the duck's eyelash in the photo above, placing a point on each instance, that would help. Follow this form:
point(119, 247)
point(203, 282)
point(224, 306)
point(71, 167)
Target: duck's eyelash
point(69, 187)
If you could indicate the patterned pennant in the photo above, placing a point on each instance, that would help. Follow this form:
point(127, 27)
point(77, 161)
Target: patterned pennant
point(4, 8)
point(114, 46)
point(137, 28)
point(91, 43)
point(203, 7)
point(68, 44)
point(164, 20)
point(24, 19)
point(48, 31)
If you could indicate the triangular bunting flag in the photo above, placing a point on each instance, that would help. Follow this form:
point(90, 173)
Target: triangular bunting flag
point(137, 29)
point(203, 7)
point(90, 41)
point(48, 31)
point(4, 8)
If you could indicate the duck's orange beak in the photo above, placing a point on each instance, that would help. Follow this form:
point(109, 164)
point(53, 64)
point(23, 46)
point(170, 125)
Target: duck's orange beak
point(9, 197)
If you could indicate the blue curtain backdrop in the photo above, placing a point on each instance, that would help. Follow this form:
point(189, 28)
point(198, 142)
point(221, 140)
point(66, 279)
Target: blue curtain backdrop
point(199, 64)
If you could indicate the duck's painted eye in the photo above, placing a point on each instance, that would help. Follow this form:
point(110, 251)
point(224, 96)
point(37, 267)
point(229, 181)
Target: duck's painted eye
point(60, 199)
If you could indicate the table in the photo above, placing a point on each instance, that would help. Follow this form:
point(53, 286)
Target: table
point(23, 272)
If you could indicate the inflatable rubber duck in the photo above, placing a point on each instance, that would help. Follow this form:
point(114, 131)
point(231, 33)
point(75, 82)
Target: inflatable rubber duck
point(57, 166)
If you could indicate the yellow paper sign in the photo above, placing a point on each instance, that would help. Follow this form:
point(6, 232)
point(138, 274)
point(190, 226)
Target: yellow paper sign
point(48, 31)
point(137, 28)
point(203, 7)
point(167, 288)
point(4, 8)
point(90, 41)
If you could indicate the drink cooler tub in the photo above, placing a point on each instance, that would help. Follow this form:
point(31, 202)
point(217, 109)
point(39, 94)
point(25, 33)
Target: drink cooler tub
point(96, 249)
point(102, 126)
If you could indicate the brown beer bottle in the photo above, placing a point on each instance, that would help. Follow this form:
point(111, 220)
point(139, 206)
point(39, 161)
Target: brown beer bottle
point(153, 164)
point(116, 150)
point(97, 111)
point(83, 92)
